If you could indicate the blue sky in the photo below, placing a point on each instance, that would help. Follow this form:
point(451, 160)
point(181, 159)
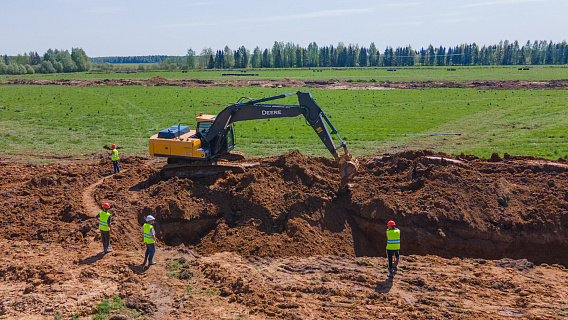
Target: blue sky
point(171, 27)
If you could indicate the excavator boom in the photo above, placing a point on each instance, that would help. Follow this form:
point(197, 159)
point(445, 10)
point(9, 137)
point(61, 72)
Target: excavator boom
point(213, 143)
point(256, 109)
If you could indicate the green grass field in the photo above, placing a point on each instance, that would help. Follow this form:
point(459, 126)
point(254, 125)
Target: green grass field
point(536, 73)
point(38, 121)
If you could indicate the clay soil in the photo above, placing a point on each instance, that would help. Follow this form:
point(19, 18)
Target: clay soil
point(481, 238)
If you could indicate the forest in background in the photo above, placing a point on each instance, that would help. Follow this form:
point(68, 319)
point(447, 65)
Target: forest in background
point(290, 55)
point(52, 61)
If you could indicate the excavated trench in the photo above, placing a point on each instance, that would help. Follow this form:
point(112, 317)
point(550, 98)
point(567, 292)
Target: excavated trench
point(447, 206)
point(292, 205)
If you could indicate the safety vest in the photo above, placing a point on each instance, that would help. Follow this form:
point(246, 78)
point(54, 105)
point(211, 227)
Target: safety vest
point(148, 233)
point(393, 239)
point(103, 222)
point(114, 156)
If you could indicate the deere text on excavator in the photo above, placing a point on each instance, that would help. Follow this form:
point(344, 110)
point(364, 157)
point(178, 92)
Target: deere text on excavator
point(208, 148)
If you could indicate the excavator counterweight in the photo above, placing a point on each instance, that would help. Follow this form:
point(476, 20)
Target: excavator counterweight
point(212, 141)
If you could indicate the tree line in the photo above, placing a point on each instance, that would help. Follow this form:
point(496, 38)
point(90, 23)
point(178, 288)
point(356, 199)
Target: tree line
point(290, 55)
point(53, 61)
point(130, 59)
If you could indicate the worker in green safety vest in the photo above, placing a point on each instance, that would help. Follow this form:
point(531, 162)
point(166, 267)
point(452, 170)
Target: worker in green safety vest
point(149, 240)
point(105, 226)
point(114, 157)
point(393, 246)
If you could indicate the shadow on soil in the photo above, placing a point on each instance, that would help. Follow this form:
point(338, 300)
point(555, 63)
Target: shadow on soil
point(385, 286)
point(92, 259)
point(138, 268)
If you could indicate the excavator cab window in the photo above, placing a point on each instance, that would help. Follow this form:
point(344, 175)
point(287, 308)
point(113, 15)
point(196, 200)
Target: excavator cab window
point(203, 127)
point(230, 139)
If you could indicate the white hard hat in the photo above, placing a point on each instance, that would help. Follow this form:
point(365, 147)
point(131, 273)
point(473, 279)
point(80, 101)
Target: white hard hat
point(150, 218)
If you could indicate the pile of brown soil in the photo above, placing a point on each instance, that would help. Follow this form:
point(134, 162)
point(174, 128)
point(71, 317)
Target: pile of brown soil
point(292, 205)
point(298, 83)
point(287, 206)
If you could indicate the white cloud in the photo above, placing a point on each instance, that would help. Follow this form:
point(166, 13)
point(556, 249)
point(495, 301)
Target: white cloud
point(455, 20)
point(185, 25)
point(402, 4)
point(310, 15)
point(447, 14)
point(107, 9)
point(305, 16)
point(500, 2)
point(400, 24)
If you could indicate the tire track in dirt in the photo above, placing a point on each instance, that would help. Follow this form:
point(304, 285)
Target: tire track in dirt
point(89, 203)
point(88, 199)
point(137, 110)
point(92, 208)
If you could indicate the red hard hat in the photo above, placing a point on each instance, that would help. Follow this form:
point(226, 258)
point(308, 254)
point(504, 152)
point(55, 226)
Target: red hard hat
point(391, 223)
point(113, 145)
point(106, 205)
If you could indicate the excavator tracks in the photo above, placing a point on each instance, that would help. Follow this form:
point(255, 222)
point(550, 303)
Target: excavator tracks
point(201, 170)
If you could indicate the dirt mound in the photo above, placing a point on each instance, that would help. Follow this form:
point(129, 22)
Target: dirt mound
point(298, 83)
point(282, 239)
point(157, 80)
point(293, 205)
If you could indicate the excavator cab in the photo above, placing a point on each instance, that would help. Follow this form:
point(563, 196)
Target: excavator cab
point(225, 141)
point(203, 127)
point(179, 143)
point(204, 122)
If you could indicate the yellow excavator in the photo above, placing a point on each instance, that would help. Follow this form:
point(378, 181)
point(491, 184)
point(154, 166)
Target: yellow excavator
point(208, 148)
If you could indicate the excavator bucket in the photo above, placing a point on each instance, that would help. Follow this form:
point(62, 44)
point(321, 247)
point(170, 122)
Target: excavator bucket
point(348, 167)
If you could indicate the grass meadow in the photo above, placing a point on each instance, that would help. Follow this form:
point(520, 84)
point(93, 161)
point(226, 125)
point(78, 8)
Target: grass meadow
point(535, 73)
point(39, 121)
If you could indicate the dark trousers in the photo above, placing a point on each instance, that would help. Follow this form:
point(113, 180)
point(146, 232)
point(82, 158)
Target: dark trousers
point(105, 235)
point(390, 254)
point(150, 250)
point(115, 165)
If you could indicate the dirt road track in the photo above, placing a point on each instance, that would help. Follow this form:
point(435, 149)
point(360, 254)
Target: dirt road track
point(90, 206)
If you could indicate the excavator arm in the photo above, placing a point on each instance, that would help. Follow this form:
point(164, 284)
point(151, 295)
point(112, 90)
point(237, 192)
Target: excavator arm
point(253, 109)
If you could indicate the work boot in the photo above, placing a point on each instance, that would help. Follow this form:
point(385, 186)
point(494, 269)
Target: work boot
point(390, 275)
point(144, 263)
point(151, 263)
